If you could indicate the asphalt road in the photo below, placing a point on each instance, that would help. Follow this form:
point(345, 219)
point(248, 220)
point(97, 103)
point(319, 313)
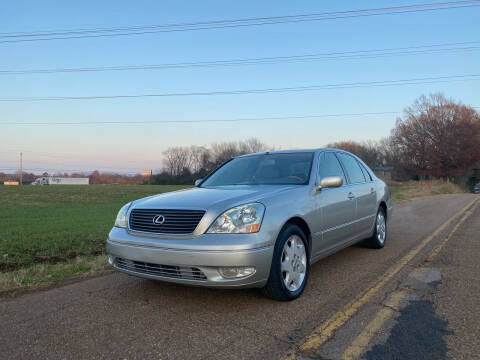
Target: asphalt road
point(119, 316)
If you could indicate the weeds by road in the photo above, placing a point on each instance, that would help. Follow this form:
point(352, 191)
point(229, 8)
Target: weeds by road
point(44, 274)
point(414, 190)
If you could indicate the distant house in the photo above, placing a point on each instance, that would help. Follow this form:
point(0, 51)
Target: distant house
point(15, 183)
point(383, 172)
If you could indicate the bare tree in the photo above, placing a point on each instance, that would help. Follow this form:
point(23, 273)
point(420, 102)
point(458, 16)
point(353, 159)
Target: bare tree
point(252, 145)
point(225, 151)
point(222, 152)
point(177, 159)
point(368, 151)
point(437, 137)
point(198, 156)
point(386, 151)
point(199, 160)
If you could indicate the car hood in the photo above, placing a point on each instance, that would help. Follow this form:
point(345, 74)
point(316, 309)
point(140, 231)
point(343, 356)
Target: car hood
point(206, 198)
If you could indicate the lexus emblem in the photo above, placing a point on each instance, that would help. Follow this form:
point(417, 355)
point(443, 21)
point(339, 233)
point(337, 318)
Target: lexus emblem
point(158, 219)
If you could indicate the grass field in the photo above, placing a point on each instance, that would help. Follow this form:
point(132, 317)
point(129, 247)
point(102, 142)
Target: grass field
point(54, 224)
point(50, 233)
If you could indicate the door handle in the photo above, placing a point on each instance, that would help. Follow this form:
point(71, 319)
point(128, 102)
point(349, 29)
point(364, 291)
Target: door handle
point(372, 191)
point(351, 196)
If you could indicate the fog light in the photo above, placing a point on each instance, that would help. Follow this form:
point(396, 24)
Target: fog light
point(235, 272)
point(110, 260)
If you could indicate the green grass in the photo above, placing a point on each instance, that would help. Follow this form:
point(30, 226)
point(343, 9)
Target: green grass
point(57, 224)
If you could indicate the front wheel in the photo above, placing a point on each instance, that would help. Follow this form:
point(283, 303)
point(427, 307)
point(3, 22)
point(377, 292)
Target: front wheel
point(290, 265)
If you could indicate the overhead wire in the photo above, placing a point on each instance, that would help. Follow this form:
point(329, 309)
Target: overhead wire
point(201, 121)
point(229, 23)
point(401, 82)
point(359, 54)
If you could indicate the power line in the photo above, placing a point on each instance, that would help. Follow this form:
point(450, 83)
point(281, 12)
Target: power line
point(202, 120)
point(39, 166)
point(36, 165)
point(143, 27)
point(414, 81)
point(64, 157)
point(54, 170)
point(231, 23)
point(294, 117)
point(359, 54)
point(244, 20)
point(69, 159)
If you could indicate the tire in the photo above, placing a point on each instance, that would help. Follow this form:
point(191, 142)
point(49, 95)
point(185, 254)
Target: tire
point(379, 237)
point(290, 257)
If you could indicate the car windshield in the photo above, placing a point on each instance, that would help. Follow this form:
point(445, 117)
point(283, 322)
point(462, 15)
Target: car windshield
point(264, 169)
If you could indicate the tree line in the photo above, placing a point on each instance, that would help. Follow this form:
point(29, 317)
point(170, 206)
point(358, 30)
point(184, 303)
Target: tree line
point(435, 138)
point(185, 164)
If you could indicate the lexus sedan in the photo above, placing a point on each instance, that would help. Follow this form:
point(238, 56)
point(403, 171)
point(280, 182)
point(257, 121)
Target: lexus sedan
point(259, 220)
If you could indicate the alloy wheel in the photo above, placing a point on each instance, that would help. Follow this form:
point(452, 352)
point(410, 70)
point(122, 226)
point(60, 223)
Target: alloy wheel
point(381, 228)
point(294, 263)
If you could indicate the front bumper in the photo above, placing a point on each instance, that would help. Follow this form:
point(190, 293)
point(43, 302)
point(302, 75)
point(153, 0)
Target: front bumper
point(123, 246)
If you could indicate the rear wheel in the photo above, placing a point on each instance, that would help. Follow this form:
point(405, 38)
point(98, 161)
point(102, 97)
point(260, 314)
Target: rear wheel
point(379, 237)
point(290, 265)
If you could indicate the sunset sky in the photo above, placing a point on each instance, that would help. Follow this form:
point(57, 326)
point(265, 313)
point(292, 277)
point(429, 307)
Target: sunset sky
point(135, 145)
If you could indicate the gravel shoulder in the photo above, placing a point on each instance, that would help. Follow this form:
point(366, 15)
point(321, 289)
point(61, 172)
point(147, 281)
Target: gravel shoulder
point(457, 299)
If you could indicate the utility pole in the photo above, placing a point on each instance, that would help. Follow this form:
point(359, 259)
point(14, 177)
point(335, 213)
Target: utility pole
point(21, 168)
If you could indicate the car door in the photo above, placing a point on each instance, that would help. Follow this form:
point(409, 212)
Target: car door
point(362, 188)
point(336, 211)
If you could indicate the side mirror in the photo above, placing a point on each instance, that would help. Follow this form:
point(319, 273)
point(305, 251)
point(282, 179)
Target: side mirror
point(330, 182)
point(198, 181)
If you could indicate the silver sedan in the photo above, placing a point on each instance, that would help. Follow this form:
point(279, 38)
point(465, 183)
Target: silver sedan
point(259, 220)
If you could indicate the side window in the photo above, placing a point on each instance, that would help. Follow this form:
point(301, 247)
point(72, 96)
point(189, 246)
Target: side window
point(352, 167)
point(366, 173)
point(329, 166)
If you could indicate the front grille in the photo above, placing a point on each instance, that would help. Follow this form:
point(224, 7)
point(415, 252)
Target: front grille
point(175, 221)
point(175, 272)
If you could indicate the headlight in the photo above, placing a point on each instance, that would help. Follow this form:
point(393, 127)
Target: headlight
point(241, 219)
point(121, 220)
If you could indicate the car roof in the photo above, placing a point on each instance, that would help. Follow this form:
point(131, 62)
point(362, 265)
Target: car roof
point(291, 151)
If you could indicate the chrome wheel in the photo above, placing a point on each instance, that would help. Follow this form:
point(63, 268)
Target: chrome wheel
point(294, 263)
point(381, 228)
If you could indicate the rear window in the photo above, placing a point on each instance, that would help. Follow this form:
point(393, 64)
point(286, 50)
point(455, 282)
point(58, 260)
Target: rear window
point(352, 167)
point(366, 173)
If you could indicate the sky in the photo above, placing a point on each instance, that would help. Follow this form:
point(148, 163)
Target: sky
point(131, 147)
